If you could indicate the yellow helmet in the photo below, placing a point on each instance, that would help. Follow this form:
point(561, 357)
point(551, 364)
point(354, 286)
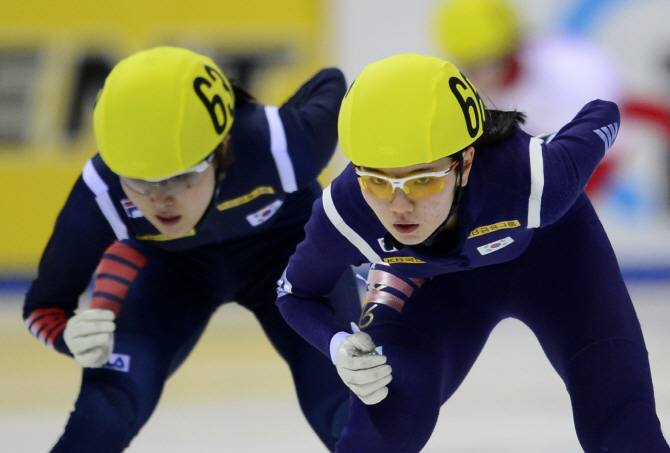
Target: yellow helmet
point(408, 109)
point(161, 112)
point(477, 31)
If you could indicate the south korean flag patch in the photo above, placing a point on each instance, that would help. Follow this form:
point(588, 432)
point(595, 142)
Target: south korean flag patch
point(495, 245)
point(131, 209)
point(265, 213)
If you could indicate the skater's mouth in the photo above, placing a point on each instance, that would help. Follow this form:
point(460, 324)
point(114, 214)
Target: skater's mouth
point(169, 220)
point(405, 228)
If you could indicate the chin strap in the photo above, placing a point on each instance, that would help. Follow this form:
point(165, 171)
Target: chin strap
point(392, 242)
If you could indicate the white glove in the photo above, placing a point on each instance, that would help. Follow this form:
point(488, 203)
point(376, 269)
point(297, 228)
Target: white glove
point(90, 337)
point(365, 373)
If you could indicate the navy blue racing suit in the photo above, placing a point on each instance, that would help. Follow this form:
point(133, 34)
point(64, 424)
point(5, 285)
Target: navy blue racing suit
point(164, 290)
point(528, 246)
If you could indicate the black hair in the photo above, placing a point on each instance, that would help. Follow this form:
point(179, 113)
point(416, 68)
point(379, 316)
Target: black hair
point(223, 155)
point(223, 158)
point(499, 125)
point(242, 96)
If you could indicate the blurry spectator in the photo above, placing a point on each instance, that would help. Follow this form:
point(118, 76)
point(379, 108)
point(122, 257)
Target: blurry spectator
point(549, 78)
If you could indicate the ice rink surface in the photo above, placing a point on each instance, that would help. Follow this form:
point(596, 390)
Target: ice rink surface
point(235, 395)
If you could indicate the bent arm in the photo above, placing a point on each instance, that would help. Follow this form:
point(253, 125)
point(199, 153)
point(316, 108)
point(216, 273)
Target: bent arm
point(80, 237)
point(312, 272)
point(310, 123)
point(561, 168)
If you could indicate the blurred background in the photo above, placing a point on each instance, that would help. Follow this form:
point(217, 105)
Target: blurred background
point(544, 57)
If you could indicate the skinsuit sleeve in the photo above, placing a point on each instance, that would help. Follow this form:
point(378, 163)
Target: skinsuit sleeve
point(310, 121)
point(312, 272)
point(561, 168)
point(80, 237)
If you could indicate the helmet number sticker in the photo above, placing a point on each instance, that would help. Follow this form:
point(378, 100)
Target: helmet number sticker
point(218, 111)
point(472, 107)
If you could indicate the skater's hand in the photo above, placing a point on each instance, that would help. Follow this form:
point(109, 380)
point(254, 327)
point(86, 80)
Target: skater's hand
point(90, 337)
point(362, 370)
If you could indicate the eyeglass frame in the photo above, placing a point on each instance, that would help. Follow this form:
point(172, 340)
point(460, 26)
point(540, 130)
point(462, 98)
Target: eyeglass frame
point(399, 183)
point(163, 182)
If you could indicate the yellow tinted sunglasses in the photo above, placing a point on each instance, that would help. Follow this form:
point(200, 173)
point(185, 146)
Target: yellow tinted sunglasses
point(417, 186)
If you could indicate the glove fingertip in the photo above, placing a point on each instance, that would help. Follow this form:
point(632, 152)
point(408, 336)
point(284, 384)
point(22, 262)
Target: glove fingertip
point(376, 397)
point(371, 361)
point(362, 342)
point(103, 314)
point(107, 326)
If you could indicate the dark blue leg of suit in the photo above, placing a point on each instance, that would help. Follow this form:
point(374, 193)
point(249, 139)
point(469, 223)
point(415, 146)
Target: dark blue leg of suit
point(162, 317)
point(568, 289)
